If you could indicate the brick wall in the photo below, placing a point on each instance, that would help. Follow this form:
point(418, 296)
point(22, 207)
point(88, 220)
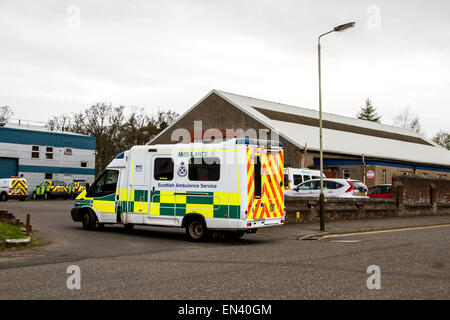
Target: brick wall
point(412, 196)
point(416, 189)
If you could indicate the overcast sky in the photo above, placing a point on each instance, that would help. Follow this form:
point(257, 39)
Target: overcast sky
point(62, 56)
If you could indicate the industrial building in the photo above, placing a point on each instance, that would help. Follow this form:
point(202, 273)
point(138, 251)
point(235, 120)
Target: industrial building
point(36, 154)
point(359, 149)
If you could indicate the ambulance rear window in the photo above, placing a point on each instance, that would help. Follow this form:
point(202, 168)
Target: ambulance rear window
point(204, 169)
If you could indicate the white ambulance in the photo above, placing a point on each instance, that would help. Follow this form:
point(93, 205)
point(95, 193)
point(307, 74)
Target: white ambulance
point(233, 187)
point(294, 176)
point(13, 188)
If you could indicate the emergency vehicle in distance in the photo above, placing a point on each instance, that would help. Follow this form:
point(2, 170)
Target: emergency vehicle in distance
point(76, 187)
point(49, 189)
point(294, 176)
point(233, 187)
point(13, 188)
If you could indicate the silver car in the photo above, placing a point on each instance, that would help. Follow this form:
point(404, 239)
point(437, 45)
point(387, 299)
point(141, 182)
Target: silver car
point(340, 188)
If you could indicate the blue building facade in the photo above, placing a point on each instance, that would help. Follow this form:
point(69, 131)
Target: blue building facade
point(38, 154)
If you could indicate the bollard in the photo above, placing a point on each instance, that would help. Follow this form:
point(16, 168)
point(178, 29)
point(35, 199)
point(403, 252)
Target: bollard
point(28, 224)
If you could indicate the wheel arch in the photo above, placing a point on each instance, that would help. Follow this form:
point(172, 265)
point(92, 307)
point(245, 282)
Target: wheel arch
point(88, 209)
point(191, 216)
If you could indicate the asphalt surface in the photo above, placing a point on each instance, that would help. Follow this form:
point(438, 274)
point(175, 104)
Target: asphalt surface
point(159, 263)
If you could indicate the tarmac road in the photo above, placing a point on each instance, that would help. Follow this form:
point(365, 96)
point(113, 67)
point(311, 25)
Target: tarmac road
point(159, 263)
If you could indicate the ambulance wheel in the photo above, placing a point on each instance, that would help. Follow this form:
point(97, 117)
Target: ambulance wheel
point(46, 196)
point(3, 197)
point(90, 221)
point(73, 196)
point(196, 230)
point(34, 196)
point(22, 198)
point(233, 235)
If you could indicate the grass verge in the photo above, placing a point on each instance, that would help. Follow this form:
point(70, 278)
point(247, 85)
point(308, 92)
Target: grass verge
point(8, 231)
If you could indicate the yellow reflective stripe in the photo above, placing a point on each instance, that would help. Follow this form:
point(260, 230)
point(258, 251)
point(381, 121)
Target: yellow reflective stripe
point(140, 207)
point(220, 198)
point(104, 206)
point(207, 210)
point(154, 208)
point(166, 196)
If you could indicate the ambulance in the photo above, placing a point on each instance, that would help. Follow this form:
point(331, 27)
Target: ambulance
point(294, 176)
point(233, 188)
point(13, 188)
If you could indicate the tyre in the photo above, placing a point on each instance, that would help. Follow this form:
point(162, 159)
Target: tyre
point(22, 198)
point(128, 226)
point(74, 196)
point(34, 196)
point(3, 197)
point(90, 221)
point(196, 230)
point(233, 235)
point(46, 196)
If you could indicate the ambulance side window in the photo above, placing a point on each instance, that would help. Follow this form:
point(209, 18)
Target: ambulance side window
point(297, 179)
point(105, 184)
point(163, 169)
point(204, 169)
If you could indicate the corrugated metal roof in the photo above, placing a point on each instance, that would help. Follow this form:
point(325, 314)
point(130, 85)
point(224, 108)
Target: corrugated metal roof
point(341, 134)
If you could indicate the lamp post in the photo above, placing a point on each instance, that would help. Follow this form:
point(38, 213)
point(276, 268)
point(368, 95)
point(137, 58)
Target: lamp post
point(322, 196)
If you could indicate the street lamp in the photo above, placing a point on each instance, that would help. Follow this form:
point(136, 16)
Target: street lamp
point(340, 28)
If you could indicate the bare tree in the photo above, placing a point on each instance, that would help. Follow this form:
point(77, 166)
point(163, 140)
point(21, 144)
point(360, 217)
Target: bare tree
point(5, 113)
point(60, 123)
point(408, 120)
point(114, 131)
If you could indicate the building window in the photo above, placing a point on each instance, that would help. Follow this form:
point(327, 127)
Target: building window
point(163, 169)
point(49, 153)
point(35, 152)
point(49, 176)
point(424, 174)
point(346, 173)
point(204, 169)
point(406, 173)
point(442, 176)
point(383, 176)
point(68, 151)
point(83, 164)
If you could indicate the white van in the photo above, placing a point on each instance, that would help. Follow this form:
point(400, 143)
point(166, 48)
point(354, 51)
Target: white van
point(294, 176)
point(13, 188)
point(233, 187)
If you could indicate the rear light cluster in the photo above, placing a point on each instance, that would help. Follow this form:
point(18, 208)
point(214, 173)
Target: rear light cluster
point(351, 187)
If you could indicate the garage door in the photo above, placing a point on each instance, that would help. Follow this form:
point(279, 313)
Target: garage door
point(8, 167)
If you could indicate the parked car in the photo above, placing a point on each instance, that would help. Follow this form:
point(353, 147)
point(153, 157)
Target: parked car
point(380, 191)
point(49, 189)
point(77, 187)
point(13, 188)
point(341, 188)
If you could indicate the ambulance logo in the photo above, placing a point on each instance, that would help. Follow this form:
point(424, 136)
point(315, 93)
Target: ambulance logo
point(182, 170)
